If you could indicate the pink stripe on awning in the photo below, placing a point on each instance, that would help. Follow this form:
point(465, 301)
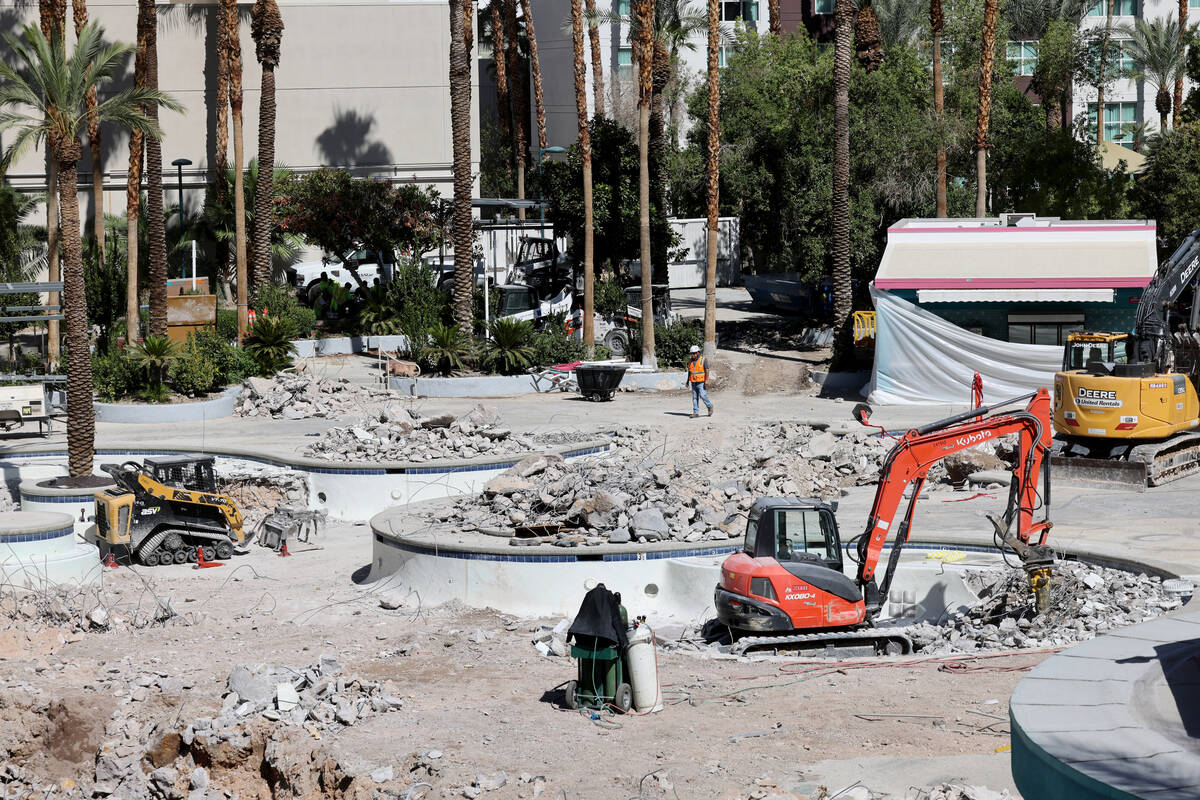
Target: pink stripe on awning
point(997, 229)
point(1012, 283)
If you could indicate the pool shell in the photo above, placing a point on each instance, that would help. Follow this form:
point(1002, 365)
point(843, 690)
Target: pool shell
point(38, 547)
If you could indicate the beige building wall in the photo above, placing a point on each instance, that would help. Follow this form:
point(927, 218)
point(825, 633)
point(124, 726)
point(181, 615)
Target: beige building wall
point(362, 84)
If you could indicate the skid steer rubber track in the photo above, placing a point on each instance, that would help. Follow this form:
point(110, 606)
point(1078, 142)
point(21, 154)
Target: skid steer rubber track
point(887, 642)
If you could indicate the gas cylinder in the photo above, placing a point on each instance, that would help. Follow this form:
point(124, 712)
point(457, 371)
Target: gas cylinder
point(642, 660)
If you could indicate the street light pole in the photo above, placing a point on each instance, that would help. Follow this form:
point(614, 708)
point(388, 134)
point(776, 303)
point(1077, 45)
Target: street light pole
point(179, 164)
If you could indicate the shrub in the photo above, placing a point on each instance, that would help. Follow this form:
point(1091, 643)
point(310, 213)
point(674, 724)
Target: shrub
point(280, 301)
point(192, 373)
point(419, 304)
point(671, 342)
point(154, 355)
point(113, 375)
point(554, 346)
point(609, 299)
point(226, 327)
point(445, 349)
point(509, 351)
point(377, 316)
point(270, 343)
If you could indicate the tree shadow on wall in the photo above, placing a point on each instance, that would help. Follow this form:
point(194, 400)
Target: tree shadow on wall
point(347, 142)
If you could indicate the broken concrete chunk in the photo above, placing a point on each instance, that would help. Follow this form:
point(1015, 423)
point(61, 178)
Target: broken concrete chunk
point(286, 697)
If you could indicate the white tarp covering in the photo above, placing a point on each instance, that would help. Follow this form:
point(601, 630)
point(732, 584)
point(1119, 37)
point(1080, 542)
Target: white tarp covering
point(921, 359)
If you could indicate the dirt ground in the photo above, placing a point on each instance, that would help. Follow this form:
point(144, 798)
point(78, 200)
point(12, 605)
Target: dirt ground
point(475, 689)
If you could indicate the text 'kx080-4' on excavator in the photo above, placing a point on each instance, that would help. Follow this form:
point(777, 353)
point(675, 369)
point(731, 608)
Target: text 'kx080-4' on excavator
point(786, 584)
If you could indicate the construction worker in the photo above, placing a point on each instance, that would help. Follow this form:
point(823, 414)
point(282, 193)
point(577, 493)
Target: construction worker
point(697, 375)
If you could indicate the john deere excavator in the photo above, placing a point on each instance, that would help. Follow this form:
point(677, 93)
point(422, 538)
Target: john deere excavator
point(1125, 405)
point(786, 586)
point(164, 511)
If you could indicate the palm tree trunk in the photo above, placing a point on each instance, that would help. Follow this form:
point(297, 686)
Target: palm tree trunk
point(81, 424)
point(645, 63)
point(264, 188)
point(219, 187)
point(660, 77)
point(233, 44)
point(54, 26)
point(712, 167)
point(937, 21)
point(842, 287)
point(155, 222)
point(597, 66)
point(519, 80)
point(987, 58)
point(773, 21)
point(460, 123)
point(133, 187)
point(79, 7)
point(503, 99)
point(1178, 99)
point(1103, 79)
point(539, 106)
point(585, 155)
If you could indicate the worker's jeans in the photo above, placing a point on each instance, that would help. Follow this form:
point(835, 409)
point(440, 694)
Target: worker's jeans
point(699, 393)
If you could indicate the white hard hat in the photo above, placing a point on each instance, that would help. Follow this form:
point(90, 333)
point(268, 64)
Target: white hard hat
point(694, 349)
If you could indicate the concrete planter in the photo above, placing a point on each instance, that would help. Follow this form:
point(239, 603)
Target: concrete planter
point(37, 548)
point(347, 345)
point(220, 406)
point(80, 504)
point(504, 385)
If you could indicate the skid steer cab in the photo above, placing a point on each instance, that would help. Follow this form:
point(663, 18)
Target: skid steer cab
point(166, 511)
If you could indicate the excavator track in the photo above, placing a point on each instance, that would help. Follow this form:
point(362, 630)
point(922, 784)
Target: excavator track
point(1139, 466)
point(887, 642)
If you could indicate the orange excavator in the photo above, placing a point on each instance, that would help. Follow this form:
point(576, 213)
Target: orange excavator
point(786, 587)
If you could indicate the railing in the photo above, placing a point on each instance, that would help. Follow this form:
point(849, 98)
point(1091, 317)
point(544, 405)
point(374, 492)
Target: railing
point(864, 327)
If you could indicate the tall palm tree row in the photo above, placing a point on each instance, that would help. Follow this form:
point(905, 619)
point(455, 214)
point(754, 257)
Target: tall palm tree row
point(644, 44)
point(1158, 48)
point(843, 16)
point(987, 58)
point(133, 186)
point(712, 179)
point(585, 156)
point(233, 63)
point(53, 18)
point(597, 66)
point(267, 28)
point(80, 11)
point(519, 93)
point(535, 68)
point(460, 125)
point(937, 24)
point(155, 221)
point(499, 56)
point(43, 98)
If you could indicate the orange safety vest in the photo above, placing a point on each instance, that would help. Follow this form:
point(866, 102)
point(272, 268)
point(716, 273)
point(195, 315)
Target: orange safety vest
point(696, 372)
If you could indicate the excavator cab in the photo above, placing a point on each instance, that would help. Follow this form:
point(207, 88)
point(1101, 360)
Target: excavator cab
point(1096, 353)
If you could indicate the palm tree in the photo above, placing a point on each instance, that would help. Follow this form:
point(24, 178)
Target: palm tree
point(539, 106)
point(79, 7)
point(519, 93)
point(712, 167)
point(216, 192)
point(219, 222)
point(597, 66)
point(774, 25)
point(1184, 37)
point(644, 42)
point(460, 124)
point(43, 98)
point(987, 59)
point(585, 155)
point(1055, 24)
point(53, 14)
point(868, 41)
point(267, 27)
point(899, 21)
point(499, 56)
point(1102, 75)
point(843, 15)
point(1158, 50)
point(133, 186)
point(937, 24)
point(155, 227)
point(233, 62)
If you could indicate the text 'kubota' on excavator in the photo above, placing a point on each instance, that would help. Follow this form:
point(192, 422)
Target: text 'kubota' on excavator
point(785, 587)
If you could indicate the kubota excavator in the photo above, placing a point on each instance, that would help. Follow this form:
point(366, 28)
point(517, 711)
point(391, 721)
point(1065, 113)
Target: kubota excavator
point(786, 586)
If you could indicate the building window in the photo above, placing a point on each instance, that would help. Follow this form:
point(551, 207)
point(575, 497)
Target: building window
point(623, 7)
point(739, 11)
point(1119, 119)
point(1124, 61)
point(723, 56)
point(625, 61)
point(1121, 8)
point(823, 6)
point(1023, 57)
point(1049, 329)
point(1193, 3)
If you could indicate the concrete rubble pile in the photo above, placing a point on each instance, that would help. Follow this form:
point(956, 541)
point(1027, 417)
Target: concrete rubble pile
point(636, 492)
point(1085, 601)
point(73, 610)
point(300, 396)
point(398, 434)
point(318, 697)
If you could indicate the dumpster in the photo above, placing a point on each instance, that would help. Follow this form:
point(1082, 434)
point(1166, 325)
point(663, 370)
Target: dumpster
point(599, 381)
